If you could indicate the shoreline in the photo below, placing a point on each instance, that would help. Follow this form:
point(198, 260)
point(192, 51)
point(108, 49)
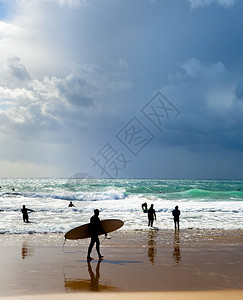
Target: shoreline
point(151, 262)
point(137, 238)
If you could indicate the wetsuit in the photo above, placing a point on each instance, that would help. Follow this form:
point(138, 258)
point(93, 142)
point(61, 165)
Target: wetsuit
point(94, 230)
point(151, 216)
point(176, 213)
point(25, 214)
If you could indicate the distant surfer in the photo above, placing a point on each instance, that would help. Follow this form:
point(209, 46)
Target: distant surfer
point(145, 207)
point(71, 204)
point(94, 229)
point(176, 213)
point(151, 215)
point(24, 211)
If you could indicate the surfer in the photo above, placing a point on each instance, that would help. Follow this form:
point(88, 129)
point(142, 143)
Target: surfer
point(145, 207)
point(94, 230)
point(151, 215)
point(24, 211)
point(71, 204)
point(176, 213)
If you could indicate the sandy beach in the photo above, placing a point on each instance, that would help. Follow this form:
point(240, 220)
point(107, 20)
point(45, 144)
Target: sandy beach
point(192, 264)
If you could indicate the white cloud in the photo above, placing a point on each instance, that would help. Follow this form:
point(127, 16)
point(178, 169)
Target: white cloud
point(221, 98)
point(123, 64)
point(71, 3)
point(53, 103)
point(8, 30)
point(28, 3)
point(193, 68)
point(224, 3)
point(34, 34)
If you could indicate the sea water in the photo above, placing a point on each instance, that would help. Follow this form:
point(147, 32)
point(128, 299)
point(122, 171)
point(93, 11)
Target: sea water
point(205, 204)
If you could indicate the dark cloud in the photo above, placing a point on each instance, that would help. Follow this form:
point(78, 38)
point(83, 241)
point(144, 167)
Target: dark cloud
point(73, 84)
point(17, 69)
point(210, 117)
point(239, 90)
point(78, 100)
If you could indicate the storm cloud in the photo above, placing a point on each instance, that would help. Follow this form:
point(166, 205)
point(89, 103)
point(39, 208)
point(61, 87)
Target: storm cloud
point(73, 73)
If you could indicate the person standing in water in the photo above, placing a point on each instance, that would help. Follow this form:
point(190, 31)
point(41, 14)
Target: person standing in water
point(94, 230)
point(24, 211)
point(151, 215)
point(176, 213)
point(145, 207)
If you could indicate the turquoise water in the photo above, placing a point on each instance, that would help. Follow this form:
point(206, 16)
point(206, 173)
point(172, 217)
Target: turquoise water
point(203, 203)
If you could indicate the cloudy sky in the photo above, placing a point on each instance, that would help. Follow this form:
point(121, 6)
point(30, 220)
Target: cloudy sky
point(121, 88)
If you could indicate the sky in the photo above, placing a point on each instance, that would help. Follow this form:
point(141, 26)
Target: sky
point(121, 88)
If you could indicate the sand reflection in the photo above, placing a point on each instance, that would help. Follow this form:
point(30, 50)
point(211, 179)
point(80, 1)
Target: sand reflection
point(92, 284)
point(27, 250)
point(152, 245)
point(177, 251)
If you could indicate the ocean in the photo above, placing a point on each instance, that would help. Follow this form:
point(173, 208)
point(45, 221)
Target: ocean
point(204, 204)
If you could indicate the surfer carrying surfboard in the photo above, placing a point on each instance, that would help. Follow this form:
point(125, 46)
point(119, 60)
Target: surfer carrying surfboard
point(94, 229)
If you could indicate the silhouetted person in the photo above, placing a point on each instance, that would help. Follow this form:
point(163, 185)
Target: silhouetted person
point(94, 229)
point(71, 204)
point(176, 213)
point(24, 211)
point(151, 215)
point(145, 207)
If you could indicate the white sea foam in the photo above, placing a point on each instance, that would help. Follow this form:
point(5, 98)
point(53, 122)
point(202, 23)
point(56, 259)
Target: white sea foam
point(220, 208)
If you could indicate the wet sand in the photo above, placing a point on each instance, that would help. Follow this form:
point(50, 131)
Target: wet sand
point(192, 264)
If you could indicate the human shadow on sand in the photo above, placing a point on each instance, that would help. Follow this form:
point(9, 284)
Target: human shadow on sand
point(115, 262)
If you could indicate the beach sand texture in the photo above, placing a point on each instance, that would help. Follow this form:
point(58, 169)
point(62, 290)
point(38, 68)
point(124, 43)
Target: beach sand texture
point(137, 265)
point(152, 264)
